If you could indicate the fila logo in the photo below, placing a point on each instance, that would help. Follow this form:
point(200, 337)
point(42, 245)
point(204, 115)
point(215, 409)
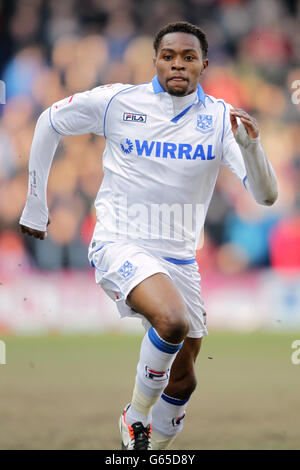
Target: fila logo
point(131, 117)
point(177, 421)
point(156, 375)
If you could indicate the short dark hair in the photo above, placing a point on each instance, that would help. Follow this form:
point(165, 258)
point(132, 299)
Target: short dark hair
point(182, 27)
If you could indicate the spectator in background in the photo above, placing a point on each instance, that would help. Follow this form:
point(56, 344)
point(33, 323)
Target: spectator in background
point(285, 243)
point(285, 236)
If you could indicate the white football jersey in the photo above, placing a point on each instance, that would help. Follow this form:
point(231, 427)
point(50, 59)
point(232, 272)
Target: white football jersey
point(161, 161)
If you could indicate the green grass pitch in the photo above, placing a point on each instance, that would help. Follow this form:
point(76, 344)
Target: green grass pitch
point(67, 392)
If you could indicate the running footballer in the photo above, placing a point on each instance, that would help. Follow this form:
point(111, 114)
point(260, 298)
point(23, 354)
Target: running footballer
point(165, 143)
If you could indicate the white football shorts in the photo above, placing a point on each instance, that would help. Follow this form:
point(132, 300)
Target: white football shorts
point(121, 265)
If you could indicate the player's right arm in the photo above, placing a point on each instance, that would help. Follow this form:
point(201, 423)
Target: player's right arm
point(34, 218)
point(81, 113)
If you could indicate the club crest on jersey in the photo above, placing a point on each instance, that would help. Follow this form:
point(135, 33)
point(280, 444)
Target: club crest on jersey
point(156, 375)
point(132, 117)
point(205, 123)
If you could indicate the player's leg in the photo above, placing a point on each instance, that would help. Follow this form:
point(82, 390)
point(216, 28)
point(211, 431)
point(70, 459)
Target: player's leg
point(169, 411)
point(158, 300)
point(183, 380)
point(139, 282)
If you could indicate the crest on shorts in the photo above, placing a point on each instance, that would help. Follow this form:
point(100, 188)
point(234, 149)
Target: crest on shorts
point(127, 270)
point(205, 123)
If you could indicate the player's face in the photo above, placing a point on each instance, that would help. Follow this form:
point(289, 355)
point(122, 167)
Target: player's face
point(179, 63)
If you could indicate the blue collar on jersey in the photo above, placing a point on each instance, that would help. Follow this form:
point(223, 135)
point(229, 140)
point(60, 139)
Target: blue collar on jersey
point(157, 88)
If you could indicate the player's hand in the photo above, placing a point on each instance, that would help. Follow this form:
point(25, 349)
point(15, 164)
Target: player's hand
point(248, 121)
point(34, 233)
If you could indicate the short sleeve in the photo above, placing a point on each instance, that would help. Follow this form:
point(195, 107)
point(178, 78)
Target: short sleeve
point(83, 113)
point(231, 156)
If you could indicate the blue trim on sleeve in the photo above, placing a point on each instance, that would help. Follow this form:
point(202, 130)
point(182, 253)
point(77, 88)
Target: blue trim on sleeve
point(161, 344)
point(244, 181)
point(181, 261)
point(174, 401)
point(219, 101)
point(211, 100)
point(52, 122)
point(118, 92)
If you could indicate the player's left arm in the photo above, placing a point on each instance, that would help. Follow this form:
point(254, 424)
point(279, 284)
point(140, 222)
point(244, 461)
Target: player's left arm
point(260, 174)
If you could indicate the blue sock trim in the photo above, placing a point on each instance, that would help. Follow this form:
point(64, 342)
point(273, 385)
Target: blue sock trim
point(161, 344)
point(174, 401)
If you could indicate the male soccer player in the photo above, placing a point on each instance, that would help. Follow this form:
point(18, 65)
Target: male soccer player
point(165, 143)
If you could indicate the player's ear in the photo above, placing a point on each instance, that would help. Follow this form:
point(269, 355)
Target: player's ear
point(204, 65)
point(154, 60)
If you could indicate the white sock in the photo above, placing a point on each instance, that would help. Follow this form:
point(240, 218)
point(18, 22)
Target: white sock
point(153, 369)
point(167, 420)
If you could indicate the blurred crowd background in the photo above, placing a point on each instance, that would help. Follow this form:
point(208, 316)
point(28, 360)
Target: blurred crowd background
point(52, 49)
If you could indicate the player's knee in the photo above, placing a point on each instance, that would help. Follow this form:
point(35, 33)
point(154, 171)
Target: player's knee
point(174, 325)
